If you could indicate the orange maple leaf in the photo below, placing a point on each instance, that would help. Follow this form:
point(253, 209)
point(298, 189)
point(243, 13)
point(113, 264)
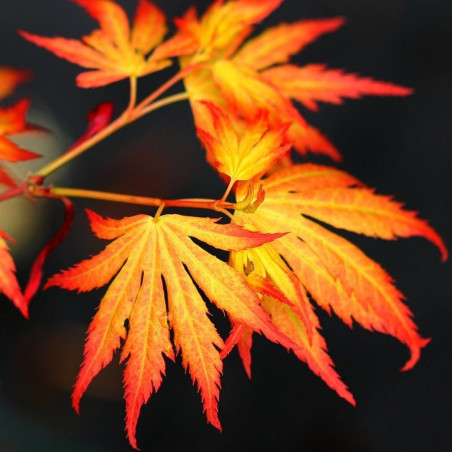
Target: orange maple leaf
point(8, 282)
point(10, 79)
point(146, 249)
point(223, 27)
point(253, 76)
point(12, 121)
point(293, 316)
point(116, 50)
point(242, 150)
point(334, 271)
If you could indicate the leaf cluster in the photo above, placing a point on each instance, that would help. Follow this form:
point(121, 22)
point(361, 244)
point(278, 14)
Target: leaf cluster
point(284, 258)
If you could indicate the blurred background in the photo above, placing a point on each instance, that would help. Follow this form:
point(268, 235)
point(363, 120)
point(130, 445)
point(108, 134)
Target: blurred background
point(400, 146)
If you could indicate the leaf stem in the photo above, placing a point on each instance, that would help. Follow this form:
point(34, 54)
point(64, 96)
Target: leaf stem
point(159, 211)
point(228, 190)
point(133, 94)
point(195, 203)
point(167, 85)
point(162, 103)
point(132, 113)
point(121, 121)
point(12, 193)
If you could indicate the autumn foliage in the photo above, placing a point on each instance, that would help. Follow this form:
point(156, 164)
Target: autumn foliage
point(279, 219)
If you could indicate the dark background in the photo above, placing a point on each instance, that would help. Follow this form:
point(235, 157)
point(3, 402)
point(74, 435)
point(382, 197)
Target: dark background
point(399, 146)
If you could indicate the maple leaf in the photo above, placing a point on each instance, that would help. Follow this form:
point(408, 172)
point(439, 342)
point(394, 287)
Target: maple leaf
point(12, 121)
point(254, 76)
point(246, 91)
point(8, 282)
point(10, 78)
point(335, 272)
point(116, 50)
point(223, 27)
point(242, 150)
point(144, 250)
point(292, 313)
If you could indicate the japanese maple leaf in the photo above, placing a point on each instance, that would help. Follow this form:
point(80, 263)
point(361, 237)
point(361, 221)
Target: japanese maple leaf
point(144, 250)
point(8, 282)
point(117, 50)
point(223, 26)
point(9, 80)
point(286, 300)
point(253, 75)
point(242, 150)
point(12, 121)
point(337, 274)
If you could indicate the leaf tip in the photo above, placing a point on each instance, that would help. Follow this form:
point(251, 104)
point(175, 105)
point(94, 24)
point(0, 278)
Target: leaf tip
point(23, 33)
point(247, 367)
point(25, 312)
point(443, 250)
point(348, 396)
point(336, 22)
point(76, 396)
point(22, 305)
point(415, 353)
point(212, 418)
point(132, 439)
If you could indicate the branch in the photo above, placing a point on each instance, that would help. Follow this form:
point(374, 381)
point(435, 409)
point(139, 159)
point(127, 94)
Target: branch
point(194, 203)
point(131, 114)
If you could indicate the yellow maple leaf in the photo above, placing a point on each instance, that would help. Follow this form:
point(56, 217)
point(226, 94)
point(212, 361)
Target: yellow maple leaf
point(116, 50)
point(252, 75)
point(223, 27)
point(335, 272)
point(144, 250)
point(242, 150)
point(294, 317)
